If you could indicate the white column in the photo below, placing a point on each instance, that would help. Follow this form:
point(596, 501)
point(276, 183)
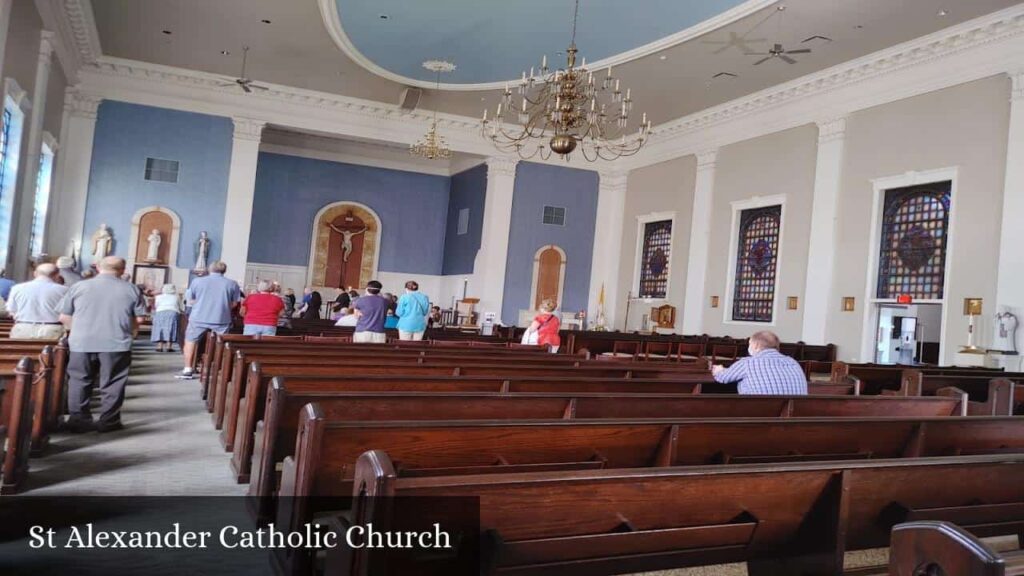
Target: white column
point(5, 24)
point(700, 237)
point(1010, 286)
point(489, 267)
point(604, 264)
point(24, 201)
point(71, 183)
point(822, 247)
point(245, 148)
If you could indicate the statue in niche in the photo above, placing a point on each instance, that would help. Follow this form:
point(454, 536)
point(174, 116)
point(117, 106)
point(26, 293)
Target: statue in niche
point(346, 239)
point(153, 250)
point(102, 241)
point(202, 252)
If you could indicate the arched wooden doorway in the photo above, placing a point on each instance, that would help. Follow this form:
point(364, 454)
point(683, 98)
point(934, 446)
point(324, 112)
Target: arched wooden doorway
point(548, 275)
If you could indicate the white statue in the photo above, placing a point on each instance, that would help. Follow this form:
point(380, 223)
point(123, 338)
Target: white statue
point(346, 239)
point(153, 251)
point(102, 241)
point(202, 252)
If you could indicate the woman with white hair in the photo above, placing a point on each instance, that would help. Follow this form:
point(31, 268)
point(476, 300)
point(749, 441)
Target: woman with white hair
point(166, 311)
point(261, 310)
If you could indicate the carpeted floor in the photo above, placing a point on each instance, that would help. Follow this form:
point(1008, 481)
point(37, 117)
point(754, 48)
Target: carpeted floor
point(168, 446)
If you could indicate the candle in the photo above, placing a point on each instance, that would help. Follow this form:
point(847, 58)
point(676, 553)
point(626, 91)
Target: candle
point(485, 114)
point(609, 71)
point(616, 85)
point(584, 63)
point(627, 93)
point(531, 72)
point(499, 109)
point(524, 104)
point(593, 104)
point(644, 119)
point(544, 62)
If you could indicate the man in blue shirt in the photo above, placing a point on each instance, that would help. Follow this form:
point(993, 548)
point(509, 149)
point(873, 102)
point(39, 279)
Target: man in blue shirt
point(765, 371)
point(371, 311)
point(5, 285)
point(212, 298)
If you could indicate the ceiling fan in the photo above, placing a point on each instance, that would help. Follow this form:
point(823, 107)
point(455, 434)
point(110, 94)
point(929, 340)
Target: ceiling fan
point(777, 51)
point(242, 80)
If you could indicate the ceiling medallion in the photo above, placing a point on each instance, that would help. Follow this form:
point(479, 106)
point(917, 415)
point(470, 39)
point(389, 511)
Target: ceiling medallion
point(432, 146)
point(567, 109)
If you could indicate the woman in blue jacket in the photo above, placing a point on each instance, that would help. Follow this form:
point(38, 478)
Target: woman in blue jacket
point(413, 308)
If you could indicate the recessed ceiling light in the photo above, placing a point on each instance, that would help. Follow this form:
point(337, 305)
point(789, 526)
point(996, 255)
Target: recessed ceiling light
point(265, 21)
point(383, 16)
point(225, 53)
point(782, 7)
point(168, 32)
point(663, 57)
point(943, 12)
point(858, 27)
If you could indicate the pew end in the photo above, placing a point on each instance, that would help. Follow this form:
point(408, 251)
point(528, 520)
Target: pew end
point(931, 547)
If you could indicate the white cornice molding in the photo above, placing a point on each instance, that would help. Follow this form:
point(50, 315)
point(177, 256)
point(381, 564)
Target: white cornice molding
point(248, 129)
point(332, 20)
point(81, 105)
point(82, 24)
point(706, 159)
point(969, 51)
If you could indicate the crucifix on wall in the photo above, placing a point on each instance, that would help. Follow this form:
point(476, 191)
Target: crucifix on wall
point(345, 254)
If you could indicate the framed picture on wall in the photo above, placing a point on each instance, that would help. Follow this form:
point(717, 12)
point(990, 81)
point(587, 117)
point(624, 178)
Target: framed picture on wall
point(150, 277)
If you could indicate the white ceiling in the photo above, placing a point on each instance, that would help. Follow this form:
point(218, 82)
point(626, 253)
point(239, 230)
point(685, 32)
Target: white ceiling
point(296, 50)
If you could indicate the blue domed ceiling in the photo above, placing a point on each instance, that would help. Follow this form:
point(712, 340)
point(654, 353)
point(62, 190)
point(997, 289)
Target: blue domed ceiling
point(492, 41)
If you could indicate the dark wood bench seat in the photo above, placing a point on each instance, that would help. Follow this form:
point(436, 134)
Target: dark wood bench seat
point(934, 547)
point(780, 519)
point(17, 406)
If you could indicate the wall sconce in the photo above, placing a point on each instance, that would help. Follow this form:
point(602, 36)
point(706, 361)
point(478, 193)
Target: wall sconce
point(792, 303)
point(849, 303)
point(972, 306)
point(714, 301)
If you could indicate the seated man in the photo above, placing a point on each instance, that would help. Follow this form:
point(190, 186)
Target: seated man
point(765, 371)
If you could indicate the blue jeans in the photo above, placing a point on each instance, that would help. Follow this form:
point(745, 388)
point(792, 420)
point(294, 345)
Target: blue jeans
point(259, 330)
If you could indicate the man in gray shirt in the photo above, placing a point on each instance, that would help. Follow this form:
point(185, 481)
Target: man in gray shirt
point(103, 316)
point(212, 298)
point(66, 269)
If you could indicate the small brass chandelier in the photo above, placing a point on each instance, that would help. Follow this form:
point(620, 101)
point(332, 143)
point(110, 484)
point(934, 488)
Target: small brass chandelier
point(432, 146)
point(568, 108)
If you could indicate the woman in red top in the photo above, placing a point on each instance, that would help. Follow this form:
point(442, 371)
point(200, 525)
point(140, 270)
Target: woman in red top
point(546, 325)
point(261, 311)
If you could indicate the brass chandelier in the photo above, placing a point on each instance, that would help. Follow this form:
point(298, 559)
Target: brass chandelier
point(568, 108)
point(432, 146)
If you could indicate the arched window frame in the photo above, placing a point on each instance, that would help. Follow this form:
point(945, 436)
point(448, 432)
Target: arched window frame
point(736, 241)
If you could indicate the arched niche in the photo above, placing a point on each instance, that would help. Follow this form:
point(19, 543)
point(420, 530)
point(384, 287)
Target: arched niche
point(144, 222)
point(327, 267)
point(548, 275)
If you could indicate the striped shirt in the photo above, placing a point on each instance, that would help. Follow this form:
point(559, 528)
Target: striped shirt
point(767, 372)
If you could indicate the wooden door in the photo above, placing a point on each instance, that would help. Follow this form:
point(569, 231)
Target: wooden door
point(550, 264)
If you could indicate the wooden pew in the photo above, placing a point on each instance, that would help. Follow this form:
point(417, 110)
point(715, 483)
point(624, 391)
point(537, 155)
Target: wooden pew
point(780, 519)
point(42, 390)
point(877, 378)
point(16, 415)
point(228, 395)
point(929, 547)
point(274, 435)
point(984, 396)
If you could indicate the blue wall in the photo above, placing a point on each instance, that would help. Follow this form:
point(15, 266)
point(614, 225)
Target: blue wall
point(126, 134)
point(290, 191)
point(538, 185)
point(469, 189)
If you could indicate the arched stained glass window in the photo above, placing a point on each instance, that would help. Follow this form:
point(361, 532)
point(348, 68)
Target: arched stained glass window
point(756, 264)
point(915, 224)
point(654, 259)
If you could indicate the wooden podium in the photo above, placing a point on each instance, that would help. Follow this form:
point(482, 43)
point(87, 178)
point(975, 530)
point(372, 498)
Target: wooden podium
point(465, 311)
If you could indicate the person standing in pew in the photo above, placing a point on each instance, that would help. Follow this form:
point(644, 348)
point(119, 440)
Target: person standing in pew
point(371, 311)
point(261, 311)
point(66, 269)
point(103, 316)
point(412, 311)
point(765, 371)
point(35, 304)
point(213, 298)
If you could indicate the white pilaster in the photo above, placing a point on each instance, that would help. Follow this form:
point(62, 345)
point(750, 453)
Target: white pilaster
point(489, 267)
point(700, 235)
point(1010, 286)
point(604, 264)
point(245, 148)
point(71, 180)
point(822, 247)
point(5, 24)
point(24, 200)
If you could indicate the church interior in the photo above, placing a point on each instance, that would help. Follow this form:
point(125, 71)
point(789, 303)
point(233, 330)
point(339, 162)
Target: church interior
point(603, 236)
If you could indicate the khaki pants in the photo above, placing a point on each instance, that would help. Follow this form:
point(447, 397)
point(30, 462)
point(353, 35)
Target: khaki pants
point(369, 338)
point(37, 331)
point(403, 335)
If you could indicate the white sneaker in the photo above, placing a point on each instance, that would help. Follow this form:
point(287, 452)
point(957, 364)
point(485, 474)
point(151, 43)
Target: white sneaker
point(186, 374)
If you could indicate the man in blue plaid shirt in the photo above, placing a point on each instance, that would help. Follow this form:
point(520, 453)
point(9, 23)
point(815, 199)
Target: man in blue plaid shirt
point(765, 371)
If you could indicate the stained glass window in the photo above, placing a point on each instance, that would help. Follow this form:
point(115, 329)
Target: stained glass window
point(654, 259)
point(756, 263)
point(5, 136)
point(915, 224)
